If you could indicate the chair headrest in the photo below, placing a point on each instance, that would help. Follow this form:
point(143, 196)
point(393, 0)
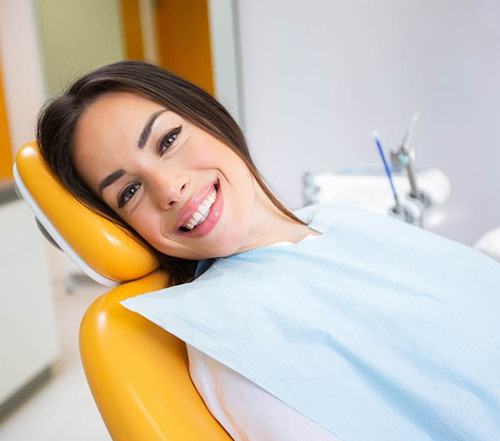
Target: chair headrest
point(104, 251)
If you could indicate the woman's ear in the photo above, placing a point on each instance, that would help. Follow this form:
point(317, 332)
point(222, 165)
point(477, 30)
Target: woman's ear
point(104, 251)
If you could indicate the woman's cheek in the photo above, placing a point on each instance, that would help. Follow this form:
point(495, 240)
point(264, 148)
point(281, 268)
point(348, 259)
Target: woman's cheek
point(205, 151)
point(146, 224)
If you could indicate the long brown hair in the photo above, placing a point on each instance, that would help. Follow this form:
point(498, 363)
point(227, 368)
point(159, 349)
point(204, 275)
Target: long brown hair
point(58, 118)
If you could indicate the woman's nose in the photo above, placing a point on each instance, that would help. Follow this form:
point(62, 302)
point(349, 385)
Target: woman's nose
point(168, 189)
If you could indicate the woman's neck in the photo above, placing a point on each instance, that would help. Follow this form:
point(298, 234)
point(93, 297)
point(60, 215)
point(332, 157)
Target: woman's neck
point(270, 225)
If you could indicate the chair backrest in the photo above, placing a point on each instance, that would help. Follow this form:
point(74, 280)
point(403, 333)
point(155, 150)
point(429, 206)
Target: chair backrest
point(103, 250)
point(138, 373)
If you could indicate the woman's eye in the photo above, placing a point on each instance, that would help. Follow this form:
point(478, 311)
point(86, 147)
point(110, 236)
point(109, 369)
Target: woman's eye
point(169, 139)
point(127, 194)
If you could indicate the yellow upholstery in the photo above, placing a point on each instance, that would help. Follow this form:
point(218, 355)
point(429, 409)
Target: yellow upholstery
point(138, 373)
point(105, 246)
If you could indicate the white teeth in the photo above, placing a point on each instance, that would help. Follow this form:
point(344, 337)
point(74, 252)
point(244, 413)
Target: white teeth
point(202, 211)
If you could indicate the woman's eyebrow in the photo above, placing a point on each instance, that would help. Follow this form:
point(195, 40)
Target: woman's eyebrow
point(147, 128)
point(108, 180)
point(143, 139)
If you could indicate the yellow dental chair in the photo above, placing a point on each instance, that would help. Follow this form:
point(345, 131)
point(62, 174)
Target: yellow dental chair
point(137, 372)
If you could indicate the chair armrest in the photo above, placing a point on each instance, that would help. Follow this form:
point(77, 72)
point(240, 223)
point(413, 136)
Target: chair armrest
point(139, 373)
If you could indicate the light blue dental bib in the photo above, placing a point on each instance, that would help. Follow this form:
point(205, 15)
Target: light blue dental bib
point(376, 330)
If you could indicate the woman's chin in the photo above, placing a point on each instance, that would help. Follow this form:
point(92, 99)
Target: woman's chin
point(225, 249)
point(206, 251)
point(222, 241)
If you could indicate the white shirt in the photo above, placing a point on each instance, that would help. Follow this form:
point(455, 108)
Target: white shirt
point(245, 410)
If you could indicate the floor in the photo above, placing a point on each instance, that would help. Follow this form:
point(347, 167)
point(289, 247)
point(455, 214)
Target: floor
point(62, 409)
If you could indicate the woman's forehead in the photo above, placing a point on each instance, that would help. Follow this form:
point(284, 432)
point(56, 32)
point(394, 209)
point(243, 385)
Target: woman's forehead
point(118, 109)
point(117, 118)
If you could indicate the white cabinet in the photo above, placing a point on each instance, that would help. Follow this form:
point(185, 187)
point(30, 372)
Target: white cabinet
point(27, 327)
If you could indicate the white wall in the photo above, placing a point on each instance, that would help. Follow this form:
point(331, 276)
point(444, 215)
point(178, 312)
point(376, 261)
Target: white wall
point(225, 62)
point(319, 76)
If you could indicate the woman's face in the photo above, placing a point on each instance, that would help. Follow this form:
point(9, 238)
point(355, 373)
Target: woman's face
point(163, 175)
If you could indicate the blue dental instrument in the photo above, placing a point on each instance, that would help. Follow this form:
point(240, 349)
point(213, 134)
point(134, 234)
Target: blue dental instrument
point(397, 207)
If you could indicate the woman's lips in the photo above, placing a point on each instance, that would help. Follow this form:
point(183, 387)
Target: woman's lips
point(212, 219)
point(192, 206)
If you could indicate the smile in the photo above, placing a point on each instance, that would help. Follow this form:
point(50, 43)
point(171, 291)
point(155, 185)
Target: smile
point(202, 212)
point(206, 215)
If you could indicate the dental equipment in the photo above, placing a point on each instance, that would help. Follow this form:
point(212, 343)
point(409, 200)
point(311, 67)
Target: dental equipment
point(404, 157)
point(398, 210)
point(387, 169)
point(152, 396)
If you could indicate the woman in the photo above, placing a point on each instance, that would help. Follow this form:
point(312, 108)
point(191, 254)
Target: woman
point(160, 156)
point(173, 153)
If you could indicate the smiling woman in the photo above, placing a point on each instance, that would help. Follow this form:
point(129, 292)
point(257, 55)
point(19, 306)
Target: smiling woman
point(374, 330)
point(162, 157)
